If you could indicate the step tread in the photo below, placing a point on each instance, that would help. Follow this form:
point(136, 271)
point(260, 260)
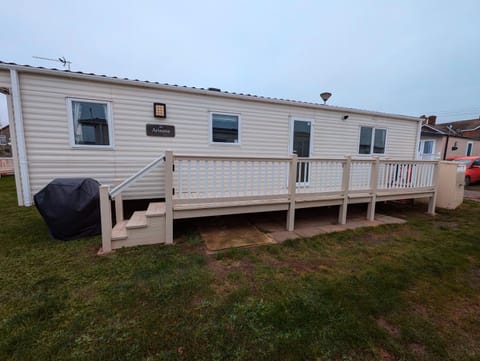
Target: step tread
point(138, 220)
point(119, 232)
point(155, 209)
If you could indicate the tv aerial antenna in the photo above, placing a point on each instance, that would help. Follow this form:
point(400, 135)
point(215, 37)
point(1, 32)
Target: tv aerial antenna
point(66, 64)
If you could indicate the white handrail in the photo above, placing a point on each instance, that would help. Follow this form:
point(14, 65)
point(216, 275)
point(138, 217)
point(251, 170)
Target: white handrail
point(127, 182)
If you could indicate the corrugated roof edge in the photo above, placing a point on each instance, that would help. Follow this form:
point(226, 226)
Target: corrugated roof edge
point(183, 88)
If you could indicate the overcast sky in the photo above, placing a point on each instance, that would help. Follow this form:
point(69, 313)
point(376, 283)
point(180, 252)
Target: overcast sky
point(408, 57)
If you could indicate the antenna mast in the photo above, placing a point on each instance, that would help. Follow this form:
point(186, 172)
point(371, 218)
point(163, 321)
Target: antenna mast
point(65, 62)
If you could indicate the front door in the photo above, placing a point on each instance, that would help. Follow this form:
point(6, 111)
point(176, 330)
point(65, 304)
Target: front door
point(301, 146)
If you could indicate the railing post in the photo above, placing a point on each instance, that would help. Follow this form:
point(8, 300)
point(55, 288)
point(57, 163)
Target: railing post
point(292, 188)
point(433, 200)
point(373, 187)
point(119, 208)
point(169, 197)
point(342, 212)
point(106, 218)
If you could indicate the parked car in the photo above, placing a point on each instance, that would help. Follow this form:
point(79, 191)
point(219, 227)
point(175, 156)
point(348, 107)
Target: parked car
point(472, 171)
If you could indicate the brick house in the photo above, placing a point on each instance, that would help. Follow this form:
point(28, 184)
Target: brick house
point(445, 140)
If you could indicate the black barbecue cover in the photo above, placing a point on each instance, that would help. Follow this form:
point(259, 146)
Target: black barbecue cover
point(70, 207)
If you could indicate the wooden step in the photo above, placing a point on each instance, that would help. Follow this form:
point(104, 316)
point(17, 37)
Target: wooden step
point(138, 220)
point(119, 232)
point(156, 209)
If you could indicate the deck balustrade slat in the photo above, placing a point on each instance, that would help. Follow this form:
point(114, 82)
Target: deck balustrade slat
point(189, 179)
point(180, 180)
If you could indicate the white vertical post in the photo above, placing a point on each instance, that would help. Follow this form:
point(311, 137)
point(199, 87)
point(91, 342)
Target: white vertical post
point(342, 213)
point(169, 196)
point(373, 187)
point(433, 200)
point(13, 137)
point(292, 185)
point(119, 207)
point(106, 218)
point(20, 139)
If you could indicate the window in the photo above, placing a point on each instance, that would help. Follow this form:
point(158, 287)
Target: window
point(224, 128)
point(90, 122)
point(372, 140)
point(469, 148)
point(426, 146)
point(3, 140)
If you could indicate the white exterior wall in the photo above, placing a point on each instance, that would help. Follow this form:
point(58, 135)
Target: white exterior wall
point(4, 78)
point(264, 130)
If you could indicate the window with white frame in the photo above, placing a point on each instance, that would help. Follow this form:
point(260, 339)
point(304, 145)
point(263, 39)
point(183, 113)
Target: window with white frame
point(372, 140)
point(224, 128)
point(3, 140)
point(90, 123)
point(426, 146)
point(469, 148)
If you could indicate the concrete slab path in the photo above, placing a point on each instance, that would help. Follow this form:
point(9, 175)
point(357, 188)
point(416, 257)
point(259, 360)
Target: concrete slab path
point(265, 228)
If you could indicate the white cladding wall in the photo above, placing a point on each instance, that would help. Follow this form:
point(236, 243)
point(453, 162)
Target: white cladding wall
point(264, 131)
point(4, 79)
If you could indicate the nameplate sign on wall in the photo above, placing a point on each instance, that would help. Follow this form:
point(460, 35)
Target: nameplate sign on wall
point(160, 130)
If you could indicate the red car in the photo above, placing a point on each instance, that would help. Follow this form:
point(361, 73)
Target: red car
point(472, 164)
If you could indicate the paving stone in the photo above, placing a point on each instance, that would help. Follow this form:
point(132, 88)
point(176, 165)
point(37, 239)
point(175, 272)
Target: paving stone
point(232, 234)
point(282, 236)
point(389, 220)
point(310, 231)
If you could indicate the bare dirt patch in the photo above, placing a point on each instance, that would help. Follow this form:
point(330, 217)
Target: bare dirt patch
point(420, 310)
point(379, 238)
point(392, 330)
point(302, 267)
point(384, 355)
point(475, 278)
point(221, 270)
point(445, 225)
point(417, 349)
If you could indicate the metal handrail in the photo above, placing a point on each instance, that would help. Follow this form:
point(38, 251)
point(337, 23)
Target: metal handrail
point(127, 182)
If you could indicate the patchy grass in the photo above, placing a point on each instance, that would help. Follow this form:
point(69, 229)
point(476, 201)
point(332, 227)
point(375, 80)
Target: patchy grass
point(397, 292)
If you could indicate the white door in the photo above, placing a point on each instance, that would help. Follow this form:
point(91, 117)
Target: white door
point(301, 145)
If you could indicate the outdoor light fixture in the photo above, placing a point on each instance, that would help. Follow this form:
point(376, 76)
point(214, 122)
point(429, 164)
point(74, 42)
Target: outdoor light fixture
point(159, 110)
point(325, 96)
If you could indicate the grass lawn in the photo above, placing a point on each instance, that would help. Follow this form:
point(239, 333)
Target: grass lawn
point(397, 292)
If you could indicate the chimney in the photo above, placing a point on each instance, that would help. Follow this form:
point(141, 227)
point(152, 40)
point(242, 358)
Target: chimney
point(431, 120)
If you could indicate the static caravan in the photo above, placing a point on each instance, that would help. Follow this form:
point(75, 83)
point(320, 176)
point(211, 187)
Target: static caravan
point(206, 151)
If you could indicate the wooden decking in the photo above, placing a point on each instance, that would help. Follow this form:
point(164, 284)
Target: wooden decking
point(202, 186)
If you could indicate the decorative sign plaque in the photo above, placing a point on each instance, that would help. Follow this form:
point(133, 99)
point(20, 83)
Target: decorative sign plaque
point(160, 130)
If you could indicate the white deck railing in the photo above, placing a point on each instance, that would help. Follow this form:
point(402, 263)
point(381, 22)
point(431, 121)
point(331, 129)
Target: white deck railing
point(207, 177)
point(218, 177)
point(406, 175)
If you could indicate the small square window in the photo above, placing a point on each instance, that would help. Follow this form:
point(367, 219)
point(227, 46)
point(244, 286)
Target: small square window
point(91, 123)
point(3, 140)
point(225, 128)
point(372, 140)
